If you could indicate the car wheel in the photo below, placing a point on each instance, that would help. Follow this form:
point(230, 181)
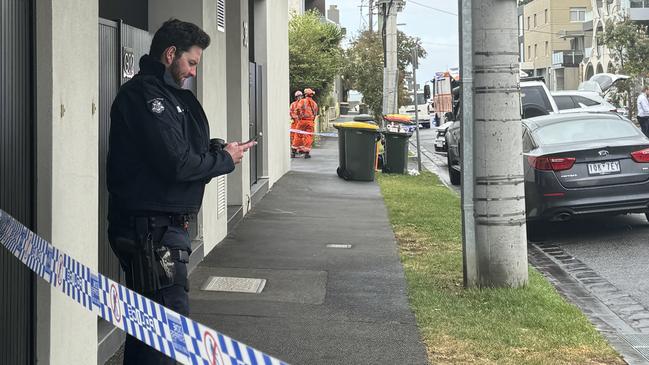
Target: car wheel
point(534, 231)
point(453, 174)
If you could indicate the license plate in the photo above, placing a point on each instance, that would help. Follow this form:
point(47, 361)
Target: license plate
point(604, 168)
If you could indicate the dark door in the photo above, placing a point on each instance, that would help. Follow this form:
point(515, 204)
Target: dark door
point(16, 176)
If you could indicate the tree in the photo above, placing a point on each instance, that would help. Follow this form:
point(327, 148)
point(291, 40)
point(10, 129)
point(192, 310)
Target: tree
point(363, 69)
point(315, 55)
point(629, 45)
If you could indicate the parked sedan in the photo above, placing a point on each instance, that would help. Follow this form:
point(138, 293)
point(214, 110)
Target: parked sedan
point(572, 101)
point(580, 164)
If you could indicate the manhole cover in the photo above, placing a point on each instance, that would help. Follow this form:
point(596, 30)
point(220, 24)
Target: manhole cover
point(338, 245)
point(235, 285)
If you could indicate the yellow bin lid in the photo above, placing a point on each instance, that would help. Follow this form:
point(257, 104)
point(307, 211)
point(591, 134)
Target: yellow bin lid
point(357, 125)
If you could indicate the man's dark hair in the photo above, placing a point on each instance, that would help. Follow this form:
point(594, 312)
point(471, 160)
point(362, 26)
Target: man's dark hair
point(182, 35)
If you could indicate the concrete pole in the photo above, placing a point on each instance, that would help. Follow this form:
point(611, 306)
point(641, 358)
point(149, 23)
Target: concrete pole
point(499, 196)
point(390, 71)
point(469, 258)
point(415, 64)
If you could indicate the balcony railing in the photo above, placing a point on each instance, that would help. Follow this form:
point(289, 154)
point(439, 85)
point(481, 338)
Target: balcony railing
point(567, 58)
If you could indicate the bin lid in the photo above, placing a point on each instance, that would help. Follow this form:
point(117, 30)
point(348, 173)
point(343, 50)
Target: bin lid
point(364, 118)
point(398, 118)
point(357, 125)
point(401, 134)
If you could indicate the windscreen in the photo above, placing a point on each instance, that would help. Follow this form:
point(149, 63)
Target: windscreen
point(536, 95)
point(574, 131)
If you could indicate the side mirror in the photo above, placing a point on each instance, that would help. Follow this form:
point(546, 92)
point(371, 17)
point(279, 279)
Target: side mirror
point(426, 92)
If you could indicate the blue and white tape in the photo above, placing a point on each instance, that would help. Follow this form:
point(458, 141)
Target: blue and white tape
point(323, 134)
point(175, 335)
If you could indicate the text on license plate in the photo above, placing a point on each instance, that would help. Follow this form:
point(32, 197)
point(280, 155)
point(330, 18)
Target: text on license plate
point(603, 168)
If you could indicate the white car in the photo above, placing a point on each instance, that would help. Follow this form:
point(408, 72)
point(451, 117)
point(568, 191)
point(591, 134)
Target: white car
point(573, 101)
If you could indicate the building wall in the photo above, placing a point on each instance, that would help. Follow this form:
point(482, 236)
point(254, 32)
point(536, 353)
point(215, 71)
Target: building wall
point(277, 91)
point(67, 163)
point(296, 6)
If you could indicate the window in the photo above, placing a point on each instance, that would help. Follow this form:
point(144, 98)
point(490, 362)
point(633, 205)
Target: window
point(546, 16)
point(577, 14)
point(582, 100)
point(536, 50)
point(537, 96)
point(564, 102)
point(529, 52)
point(581, 130)
point(528, 23)
point(534, 20)
point(546, 48)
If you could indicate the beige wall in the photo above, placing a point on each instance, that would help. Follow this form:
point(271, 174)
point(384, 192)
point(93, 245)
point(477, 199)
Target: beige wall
point(277, 92)
point(67, 167)
point(558, 20)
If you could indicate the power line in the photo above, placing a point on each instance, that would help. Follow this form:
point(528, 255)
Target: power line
point(432, 8)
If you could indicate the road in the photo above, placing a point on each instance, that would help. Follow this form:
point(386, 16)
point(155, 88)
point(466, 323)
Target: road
point(616, 248)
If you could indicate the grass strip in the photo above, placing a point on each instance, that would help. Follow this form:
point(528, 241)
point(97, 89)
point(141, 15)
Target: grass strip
point(532, 325)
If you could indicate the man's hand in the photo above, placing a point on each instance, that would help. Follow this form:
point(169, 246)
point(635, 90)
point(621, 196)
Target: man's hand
point(236, 150)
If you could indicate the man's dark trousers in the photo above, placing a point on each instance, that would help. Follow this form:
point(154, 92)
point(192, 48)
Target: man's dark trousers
point(174, 297)
point(644, 125)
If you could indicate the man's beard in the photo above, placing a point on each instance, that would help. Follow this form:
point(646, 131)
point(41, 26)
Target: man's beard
point(174, 69)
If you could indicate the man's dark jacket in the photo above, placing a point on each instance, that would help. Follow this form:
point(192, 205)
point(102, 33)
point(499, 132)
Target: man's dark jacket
point(159, 158)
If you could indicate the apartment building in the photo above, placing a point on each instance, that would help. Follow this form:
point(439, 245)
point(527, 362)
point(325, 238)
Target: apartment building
point(546, 49)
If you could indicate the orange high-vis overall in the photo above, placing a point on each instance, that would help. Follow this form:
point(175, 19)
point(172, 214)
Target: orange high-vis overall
point(295, 118)
point(307, 110)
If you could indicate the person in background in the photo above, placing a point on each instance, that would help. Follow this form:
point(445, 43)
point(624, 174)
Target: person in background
point(295, 118)
point(307, 111)
point(643, 110)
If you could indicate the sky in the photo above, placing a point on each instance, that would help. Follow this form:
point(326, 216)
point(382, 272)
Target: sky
point(437, 30)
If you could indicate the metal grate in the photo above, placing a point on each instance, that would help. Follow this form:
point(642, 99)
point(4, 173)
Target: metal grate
point(221, 193)
point(637, 340)
point(234, 285)
point(220, 15)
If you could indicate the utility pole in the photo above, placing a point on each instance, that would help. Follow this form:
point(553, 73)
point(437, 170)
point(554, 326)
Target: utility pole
point(415, 65)
point(498, 183)
point(371, 15)
point(390, 8)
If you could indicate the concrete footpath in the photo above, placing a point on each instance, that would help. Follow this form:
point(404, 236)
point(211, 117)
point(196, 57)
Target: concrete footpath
point(320, 305)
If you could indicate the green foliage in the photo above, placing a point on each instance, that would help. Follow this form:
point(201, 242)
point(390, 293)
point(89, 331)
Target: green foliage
point(363, 67)
point(315, 55)
point(629, 45)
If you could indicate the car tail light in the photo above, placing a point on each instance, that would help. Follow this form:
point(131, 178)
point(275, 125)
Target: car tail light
point(640, 156)
point(551, 163)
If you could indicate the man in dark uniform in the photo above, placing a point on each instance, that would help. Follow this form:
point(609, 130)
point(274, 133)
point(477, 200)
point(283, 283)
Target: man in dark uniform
point(160, 159)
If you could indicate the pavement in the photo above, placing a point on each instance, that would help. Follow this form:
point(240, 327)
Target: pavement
point(320, 305)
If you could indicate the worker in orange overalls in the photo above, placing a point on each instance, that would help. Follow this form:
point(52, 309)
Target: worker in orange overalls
point(294, 120)
point(307, 111)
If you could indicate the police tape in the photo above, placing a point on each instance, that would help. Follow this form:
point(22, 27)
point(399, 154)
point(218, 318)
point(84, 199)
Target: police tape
point(323, 134)
point(173, 334)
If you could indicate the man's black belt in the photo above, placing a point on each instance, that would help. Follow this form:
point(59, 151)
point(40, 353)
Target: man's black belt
point(160, 221)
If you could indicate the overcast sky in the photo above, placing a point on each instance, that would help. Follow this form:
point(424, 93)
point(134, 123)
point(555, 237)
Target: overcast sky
point(437, 30)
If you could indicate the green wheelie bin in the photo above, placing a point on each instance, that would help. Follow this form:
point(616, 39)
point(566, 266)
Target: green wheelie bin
point(357, 150)
point(395, 155)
